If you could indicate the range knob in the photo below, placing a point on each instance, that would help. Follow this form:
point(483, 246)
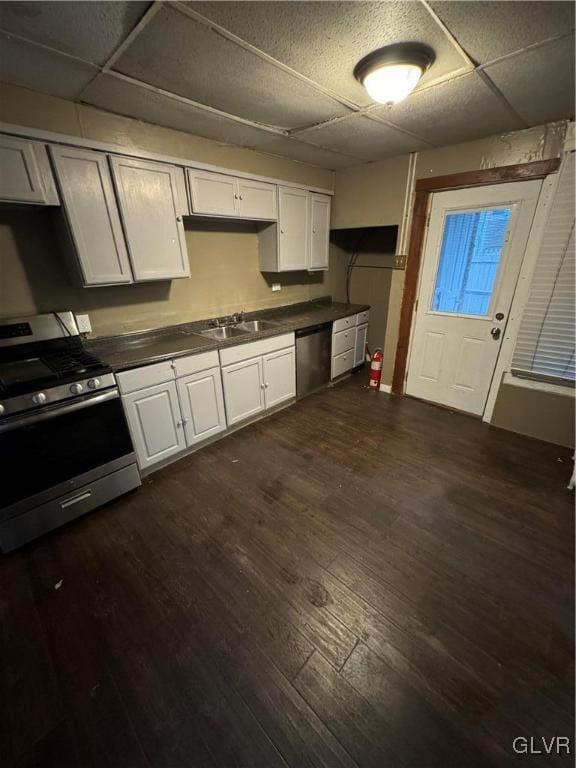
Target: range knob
point(2, 409)
point(39, 398)
point(76, 388)
point(93, 383)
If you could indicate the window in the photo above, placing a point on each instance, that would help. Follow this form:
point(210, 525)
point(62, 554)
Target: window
point(545, 344)
point(472, 245)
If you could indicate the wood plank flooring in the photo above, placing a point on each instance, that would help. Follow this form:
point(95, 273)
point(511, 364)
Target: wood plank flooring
point(359, 580)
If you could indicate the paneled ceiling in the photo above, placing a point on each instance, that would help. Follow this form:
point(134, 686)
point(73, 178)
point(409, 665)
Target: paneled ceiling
point(277, 76)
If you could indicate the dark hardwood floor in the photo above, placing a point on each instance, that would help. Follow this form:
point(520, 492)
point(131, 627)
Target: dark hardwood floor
point(359, 580)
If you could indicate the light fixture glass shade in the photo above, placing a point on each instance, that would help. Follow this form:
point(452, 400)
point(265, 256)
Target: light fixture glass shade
point(391, 83)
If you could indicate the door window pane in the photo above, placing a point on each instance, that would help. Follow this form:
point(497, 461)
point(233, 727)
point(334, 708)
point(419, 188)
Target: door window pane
point(472, 245)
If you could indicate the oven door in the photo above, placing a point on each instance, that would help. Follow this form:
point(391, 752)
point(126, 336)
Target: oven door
point(53, 451)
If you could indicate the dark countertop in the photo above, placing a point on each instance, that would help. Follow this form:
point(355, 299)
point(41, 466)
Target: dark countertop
point(131, 350)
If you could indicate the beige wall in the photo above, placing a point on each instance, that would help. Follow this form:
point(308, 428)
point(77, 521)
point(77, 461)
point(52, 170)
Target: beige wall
point(223, 256)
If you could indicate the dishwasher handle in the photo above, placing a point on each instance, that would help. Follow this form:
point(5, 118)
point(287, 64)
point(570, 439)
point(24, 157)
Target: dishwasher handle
point(313, 329)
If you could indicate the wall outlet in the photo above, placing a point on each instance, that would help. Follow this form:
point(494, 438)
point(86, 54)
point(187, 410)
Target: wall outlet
point(83, 323)
point(276, 287)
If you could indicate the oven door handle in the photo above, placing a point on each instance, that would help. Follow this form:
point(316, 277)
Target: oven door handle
point(16, 422)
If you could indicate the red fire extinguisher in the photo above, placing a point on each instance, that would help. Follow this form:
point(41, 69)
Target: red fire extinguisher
point(375, 369)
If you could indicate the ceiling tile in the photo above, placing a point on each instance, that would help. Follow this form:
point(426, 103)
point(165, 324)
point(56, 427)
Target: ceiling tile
point(459, 110)
point(539, 83)
point(487, 30)
point(180, 55)
point(305, 153)
point(89, 30)
point(116, 95)
point(325, 40)
point(23, 63)
point(363, 138)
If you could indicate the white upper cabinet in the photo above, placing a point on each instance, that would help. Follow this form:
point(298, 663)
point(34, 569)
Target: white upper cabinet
point(91, 213)
point(218, 194)
point(213, 194)
point(319, 231)
point(151, 206)
point(257, 199)
point(294, 225)
point(25, 174)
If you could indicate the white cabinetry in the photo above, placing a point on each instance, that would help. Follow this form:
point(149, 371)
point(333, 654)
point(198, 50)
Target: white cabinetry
point(348, 342)
point(25, 174)
point(243, 389)
point(258, 375)
point(218, 194)
point(155, 423)
point(151, 205)
point(91, 213)
point(202, 405)
point(319, 231)
point(300, 239)
point(173, 405)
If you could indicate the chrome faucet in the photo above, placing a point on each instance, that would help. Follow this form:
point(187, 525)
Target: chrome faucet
point(238, 317)
point(215, 323)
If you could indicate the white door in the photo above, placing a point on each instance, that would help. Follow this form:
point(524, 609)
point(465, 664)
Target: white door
point(150, 209)
point(20, 178)
point(279, 376)
point(202, 405)
point(243, 389)
point(360, 350)
point(213, 193)
point(293, 220)
point(155, 423)
point(92, 215)
point(257, 199)
point(320, 231)
point(473, 254)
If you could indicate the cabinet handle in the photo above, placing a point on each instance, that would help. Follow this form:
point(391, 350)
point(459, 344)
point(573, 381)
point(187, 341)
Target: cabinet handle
point(178, 218)
point(266, 385)
point(235, 197)
point(313, 231)
point(281, 231)
point(240, 198)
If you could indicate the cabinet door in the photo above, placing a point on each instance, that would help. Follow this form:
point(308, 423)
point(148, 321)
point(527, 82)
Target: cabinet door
point(149, 206)
point(20, 177)
point(202, 405)
point(155, 423)
point(92, 215)
point(360, 350)
point(213, 193)
point(243, 389)
point(319, 231)
point(279, 376)
point(257, 199)
point(293, 222)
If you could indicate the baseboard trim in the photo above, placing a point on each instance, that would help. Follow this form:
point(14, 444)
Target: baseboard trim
point(386, 388)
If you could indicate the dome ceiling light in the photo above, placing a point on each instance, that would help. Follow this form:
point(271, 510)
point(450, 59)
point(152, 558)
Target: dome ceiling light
point(391, 73)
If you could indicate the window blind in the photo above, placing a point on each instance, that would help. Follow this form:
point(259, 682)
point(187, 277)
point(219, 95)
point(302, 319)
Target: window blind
point(545, 344)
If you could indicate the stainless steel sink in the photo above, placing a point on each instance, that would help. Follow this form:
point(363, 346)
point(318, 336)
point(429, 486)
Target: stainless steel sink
point(253, 326)
point(224, 332)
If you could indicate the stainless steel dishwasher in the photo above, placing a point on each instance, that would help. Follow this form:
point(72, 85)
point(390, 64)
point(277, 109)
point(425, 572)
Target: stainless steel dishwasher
point(313, 358)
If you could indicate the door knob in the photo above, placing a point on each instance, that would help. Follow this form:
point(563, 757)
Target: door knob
point(495, 333)
point(499, 315)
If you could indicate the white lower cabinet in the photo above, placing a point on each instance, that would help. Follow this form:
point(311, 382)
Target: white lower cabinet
point(361, 334)
point(279, 370)
point(155, 423)
point(243, 389)
point(202, 405)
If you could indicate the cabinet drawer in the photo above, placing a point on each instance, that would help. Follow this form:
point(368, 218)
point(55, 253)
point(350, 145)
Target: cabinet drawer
point(147, 376)
point(343, 340)
point(362, 317)
point(343, 323)
point(195, 363)
point(342, 363)
point(255, 348)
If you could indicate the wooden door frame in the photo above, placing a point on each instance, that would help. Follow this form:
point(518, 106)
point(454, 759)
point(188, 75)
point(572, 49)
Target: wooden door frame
point(424, 189)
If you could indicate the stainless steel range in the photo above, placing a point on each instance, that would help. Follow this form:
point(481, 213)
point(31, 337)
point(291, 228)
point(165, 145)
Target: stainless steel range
point(65, 447)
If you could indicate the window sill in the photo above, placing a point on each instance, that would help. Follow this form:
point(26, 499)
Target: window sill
point(543, 386)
